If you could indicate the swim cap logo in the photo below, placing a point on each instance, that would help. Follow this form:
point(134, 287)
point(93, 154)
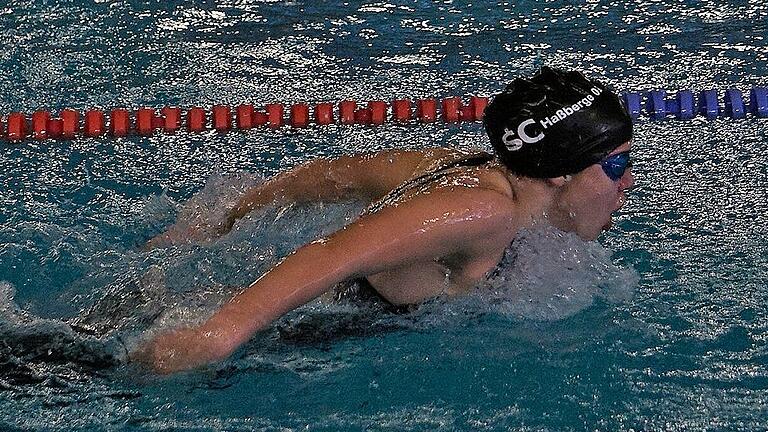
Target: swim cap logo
point(515, 144)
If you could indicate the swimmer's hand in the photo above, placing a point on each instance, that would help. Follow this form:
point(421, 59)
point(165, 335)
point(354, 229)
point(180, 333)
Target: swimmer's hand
point(205, 230)
point(183, 233)
point(181, 349)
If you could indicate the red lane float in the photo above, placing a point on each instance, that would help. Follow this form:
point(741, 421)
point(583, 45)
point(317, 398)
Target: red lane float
point(260, 118)
point(426, 110)
point(347, 112)
point(378, 112)
point(244, 116)
point(118, 122)
point(196, 120)
point(17, 127)
point(157, 121)
point(55, 128)
point(93, 125)
point(300, 115)
point(171, 121)
point(145, 121)
point(70, 123)
point(451, 110)
point(363, 116)
point(222, 118)
point(477, 105)
point(324, 114)
point(274, 115)
point(401, 110)
point(40, 121)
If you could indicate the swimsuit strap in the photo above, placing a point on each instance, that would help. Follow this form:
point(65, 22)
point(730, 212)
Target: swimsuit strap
point(428, 177)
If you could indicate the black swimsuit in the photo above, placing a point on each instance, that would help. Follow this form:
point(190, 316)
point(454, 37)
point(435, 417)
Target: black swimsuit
point(360, 289)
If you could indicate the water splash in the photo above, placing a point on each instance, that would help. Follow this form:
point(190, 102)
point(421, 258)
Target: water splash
point(200, 217)
point(547, 274)
point(36, 350)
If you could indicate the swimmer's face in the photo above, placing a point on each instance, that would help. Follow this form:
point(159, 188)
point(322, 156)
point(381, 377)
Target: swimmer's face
point(588, 200)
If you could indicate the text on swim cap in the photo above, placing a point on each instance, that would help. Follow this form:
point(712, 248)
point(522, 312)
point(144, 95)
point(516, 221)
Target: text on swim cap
point(566, 111)
point(514, 144)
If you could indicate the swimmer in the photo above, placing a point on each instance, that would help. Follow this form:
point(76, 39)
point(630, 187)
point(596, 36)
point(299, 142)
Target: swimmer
point(440, 220)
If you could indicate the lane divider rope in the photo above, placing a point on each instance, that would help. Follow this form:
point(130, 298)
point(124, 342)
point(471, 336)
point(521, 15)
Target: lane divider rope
point(120, 122)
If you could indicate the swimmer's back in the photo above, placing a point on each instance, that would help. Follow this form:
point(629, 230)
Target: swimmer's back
point(396, 176)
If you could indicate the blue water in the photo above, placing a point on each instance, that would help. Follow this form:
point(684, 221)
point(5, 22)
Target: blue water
point(658, 326)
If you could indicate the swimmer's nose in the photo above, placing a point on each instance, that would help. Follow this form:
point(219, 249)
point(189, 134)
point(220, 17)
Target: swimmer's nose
point(627, 180)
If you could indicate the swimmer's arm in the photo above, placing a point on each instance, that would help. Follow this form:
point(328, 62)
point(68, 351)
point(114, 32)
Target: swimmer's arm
point(420, 230)
point(367, 176)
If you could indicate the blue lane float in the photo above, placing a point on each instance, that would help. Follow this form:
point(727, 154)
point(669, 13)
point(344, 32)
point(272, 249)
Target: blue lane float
point(708, 105)
point(656, 105)
point(685, 105)
point(758, 102)
point(734, 104)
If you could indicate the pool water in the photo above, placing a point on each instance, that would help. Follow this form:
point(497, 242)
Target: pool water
point(660, 325)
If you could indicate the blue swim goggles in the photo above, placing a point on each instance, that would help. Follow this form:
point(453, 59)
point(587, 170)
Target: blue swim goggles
point(616, 165)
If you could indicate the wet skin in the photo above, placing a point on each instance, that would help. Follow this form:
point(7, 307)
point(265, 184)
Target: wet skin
point(437, 240)
point(587, 202)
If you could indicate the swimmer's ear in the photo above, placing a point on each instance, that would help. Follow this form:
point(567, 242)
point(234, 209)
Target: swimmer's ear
point(559, 181)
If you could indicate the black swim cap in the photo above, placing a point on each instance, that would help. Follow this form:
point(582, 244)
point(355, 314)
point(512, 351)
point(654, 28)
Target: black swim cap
point(556, 123)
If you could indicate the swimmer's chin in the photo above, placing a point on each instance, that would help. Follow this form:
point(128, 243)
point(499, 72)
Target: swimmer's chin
point(605, 228)
point(608, 225)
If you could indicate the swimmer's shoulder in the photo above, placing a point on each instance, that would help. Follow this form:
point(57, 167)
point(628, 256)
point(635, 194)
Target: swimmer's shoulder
point(493, 176)
point(424, 155)
point(488, 177)
point(435, 157)
point(416, 159)
point(402, 164)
